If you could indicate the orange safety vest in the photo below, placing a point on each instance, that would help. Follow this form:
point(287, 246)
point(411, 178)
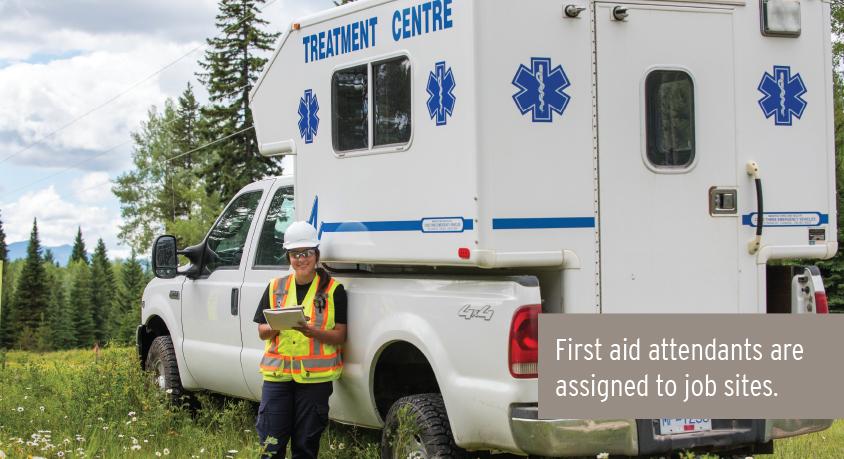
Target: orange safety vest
point(293, 356)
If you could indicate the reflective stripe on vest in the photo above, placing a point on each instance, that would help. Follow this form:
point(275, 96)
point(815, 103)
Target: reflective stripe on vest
point(291, 355)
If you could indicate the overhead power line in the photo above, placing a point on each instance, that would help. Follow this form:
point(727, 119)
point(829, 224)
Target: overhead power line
point(131, 88)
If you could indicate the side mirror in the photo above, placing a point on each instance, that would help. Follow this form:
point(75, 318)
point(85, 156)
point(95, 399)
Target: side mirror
point(165, 264)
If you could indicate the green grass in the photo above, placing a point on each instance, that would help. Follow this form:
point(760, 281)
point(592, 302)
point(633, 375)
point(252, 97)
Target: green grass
point(77, 404)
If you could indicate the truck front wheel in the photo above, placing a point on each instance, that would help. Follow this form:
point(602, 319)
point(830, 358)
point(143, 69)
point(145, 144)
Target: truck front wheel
point(417, 427)
point(162, 366)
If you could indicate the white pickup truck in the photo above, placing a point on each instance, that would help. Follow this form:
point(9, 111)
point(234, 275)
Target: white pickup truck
point(458, 347)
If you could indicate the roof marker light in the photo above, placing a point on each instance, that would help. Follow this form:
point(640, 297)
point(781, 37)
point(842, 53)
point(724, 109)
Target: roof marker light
point(781, 18)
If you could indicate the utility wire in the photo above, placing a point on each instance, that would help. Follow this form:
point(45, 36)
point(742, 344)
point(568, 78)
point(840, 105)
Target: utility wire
point(208, 144)
point(133, 87)
point(213, 142)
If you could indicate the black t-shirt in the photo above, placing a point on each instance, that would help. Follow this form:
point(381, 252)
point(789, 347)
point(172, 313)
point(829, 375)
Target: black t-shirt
point(340, 303)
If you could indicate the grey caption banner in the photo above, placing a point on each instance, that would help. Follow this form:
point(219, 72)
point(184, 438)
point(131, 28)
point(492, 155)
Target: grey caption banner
point(602, 366)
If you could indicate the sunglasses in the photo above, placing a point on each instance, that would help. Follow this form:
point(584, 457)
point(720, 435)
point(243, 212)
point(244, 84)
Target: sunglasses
point(302, 254)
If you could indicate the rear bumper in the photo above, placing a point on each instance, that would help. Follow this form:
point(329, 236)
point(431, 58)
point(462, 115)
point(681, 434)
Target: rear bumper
point(632, 437)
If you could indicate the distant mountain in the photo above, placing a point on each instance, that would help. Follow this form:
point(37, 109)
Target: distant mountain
point(17, 251)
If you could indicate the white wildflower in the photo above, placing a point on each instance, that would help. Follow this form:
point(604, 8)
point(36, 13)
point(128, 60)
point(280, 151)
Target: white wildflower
point(202, 450)
point(232, 451)
point(100, 419)
point(119, 435)
point(131, 413)
point(26, 397)
point(341, 445)
point(20, 409)
point(60, 454)
point(134, 441)
point(169, 391)
point(105, 427)
point(41, 408)
point(158, 453)
point(134, 419)
point(602, 456)
point(166, 452)
point(146, 441)
point(136, 447)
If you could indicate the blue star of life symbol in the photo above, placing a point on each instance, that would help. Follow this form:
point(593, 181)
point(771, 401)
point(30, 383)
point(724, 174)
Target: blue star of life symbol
point(441, 93)
point(541, 89)
point(308, 119)
point(783, 95)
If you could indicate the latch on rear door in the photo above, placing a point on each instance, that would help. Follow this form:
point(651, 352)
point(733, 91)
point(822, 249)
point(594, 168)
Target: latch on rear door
point(723, 201)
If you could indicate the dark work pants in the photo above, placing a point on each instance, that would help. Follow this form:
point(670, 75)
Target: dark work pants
point(293, 410)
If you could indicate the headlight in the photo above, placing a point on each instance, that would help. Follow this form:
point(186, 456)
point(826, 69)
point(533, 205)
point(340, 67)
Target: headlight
point(781, 18)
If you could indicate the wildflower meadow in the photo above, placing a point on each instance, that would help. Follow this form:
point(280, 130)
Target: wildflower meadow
point(83, 403)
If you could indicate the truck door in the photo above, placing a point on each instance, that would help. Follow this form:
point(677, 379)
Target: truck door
point(211, 305)
point(667, 162)
point(267, 261)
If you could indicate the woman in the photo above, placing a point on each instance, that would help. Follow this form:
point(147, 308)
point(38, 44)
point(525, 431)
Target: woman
point(299, 365)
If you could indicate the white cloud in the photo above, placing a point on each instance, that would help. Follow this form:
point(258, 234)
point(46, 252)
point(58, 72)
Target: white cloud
point(41, 98)
point(58, 220)
point(92, 187)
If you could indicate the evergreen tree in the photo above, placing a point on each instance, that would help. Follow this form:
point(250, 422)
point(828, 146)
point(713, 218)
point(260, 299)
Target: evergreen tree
point(127, 307)
point(80, 304)
point(102, 292)
point(5, 306)
point(31, 293)
point(79, 252)
point(60, 319)
point(166, 195)
point(9, 328)
point(231, 66)
point(4, 249)
point(49, 257)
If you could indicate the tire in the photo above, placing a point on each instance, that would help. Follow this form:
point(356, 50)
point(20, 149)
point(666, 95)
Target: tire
point(164, 370)
point(417, 427)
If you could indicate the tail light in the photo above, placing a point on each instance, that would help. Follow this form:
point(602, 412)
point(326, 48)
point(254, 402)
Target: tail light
point(821, 306)
point(524, 342)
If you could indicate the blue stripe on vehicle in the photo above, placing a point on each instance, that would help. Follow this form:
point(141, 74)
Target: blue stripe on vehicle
point(543, 223)
point(379, 226)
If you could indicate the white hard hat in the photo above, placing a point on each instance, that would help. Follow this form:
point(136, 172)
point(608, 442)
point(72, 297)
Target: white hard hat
point(300, 235)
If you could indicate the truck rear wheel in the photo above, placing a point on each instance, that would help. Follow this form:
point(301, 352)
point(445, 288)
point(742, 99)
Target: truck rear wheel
point(417, 427)
point(163, 368)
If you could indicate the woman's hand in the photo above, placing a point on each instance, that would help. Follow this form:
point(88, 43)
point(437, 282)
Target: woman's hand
point(266, 332)
point(335, 336)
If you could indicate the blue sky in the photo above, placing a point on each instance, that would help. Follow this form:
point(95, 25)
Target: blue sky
point(58, 60)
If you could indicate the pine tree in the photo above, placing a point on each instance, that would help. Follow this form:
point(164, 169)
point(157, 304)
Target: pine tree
point(61, 320)
point(4, 249)
point(163, 194)
point(49, 257)
point(127, 307)
point(79, 252)
point(5, 303)
point(80, 304)
point(102, 292)
point(231, 66)
point(31, 293)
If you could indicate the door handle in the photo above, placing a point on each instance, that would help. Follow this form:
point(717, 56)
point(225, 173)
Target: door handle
point(756, 242)
point(235, 295)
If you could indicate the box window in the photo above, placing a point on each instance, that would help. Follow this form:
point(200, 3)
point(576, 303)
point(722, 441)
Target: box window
point(391, 100)
point(670, 113)
point(350, 114)
point(390, 95)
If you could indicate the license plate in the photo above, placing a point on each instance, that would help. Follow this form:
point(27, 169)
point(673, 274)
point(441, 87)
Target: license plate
point(680, 426)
